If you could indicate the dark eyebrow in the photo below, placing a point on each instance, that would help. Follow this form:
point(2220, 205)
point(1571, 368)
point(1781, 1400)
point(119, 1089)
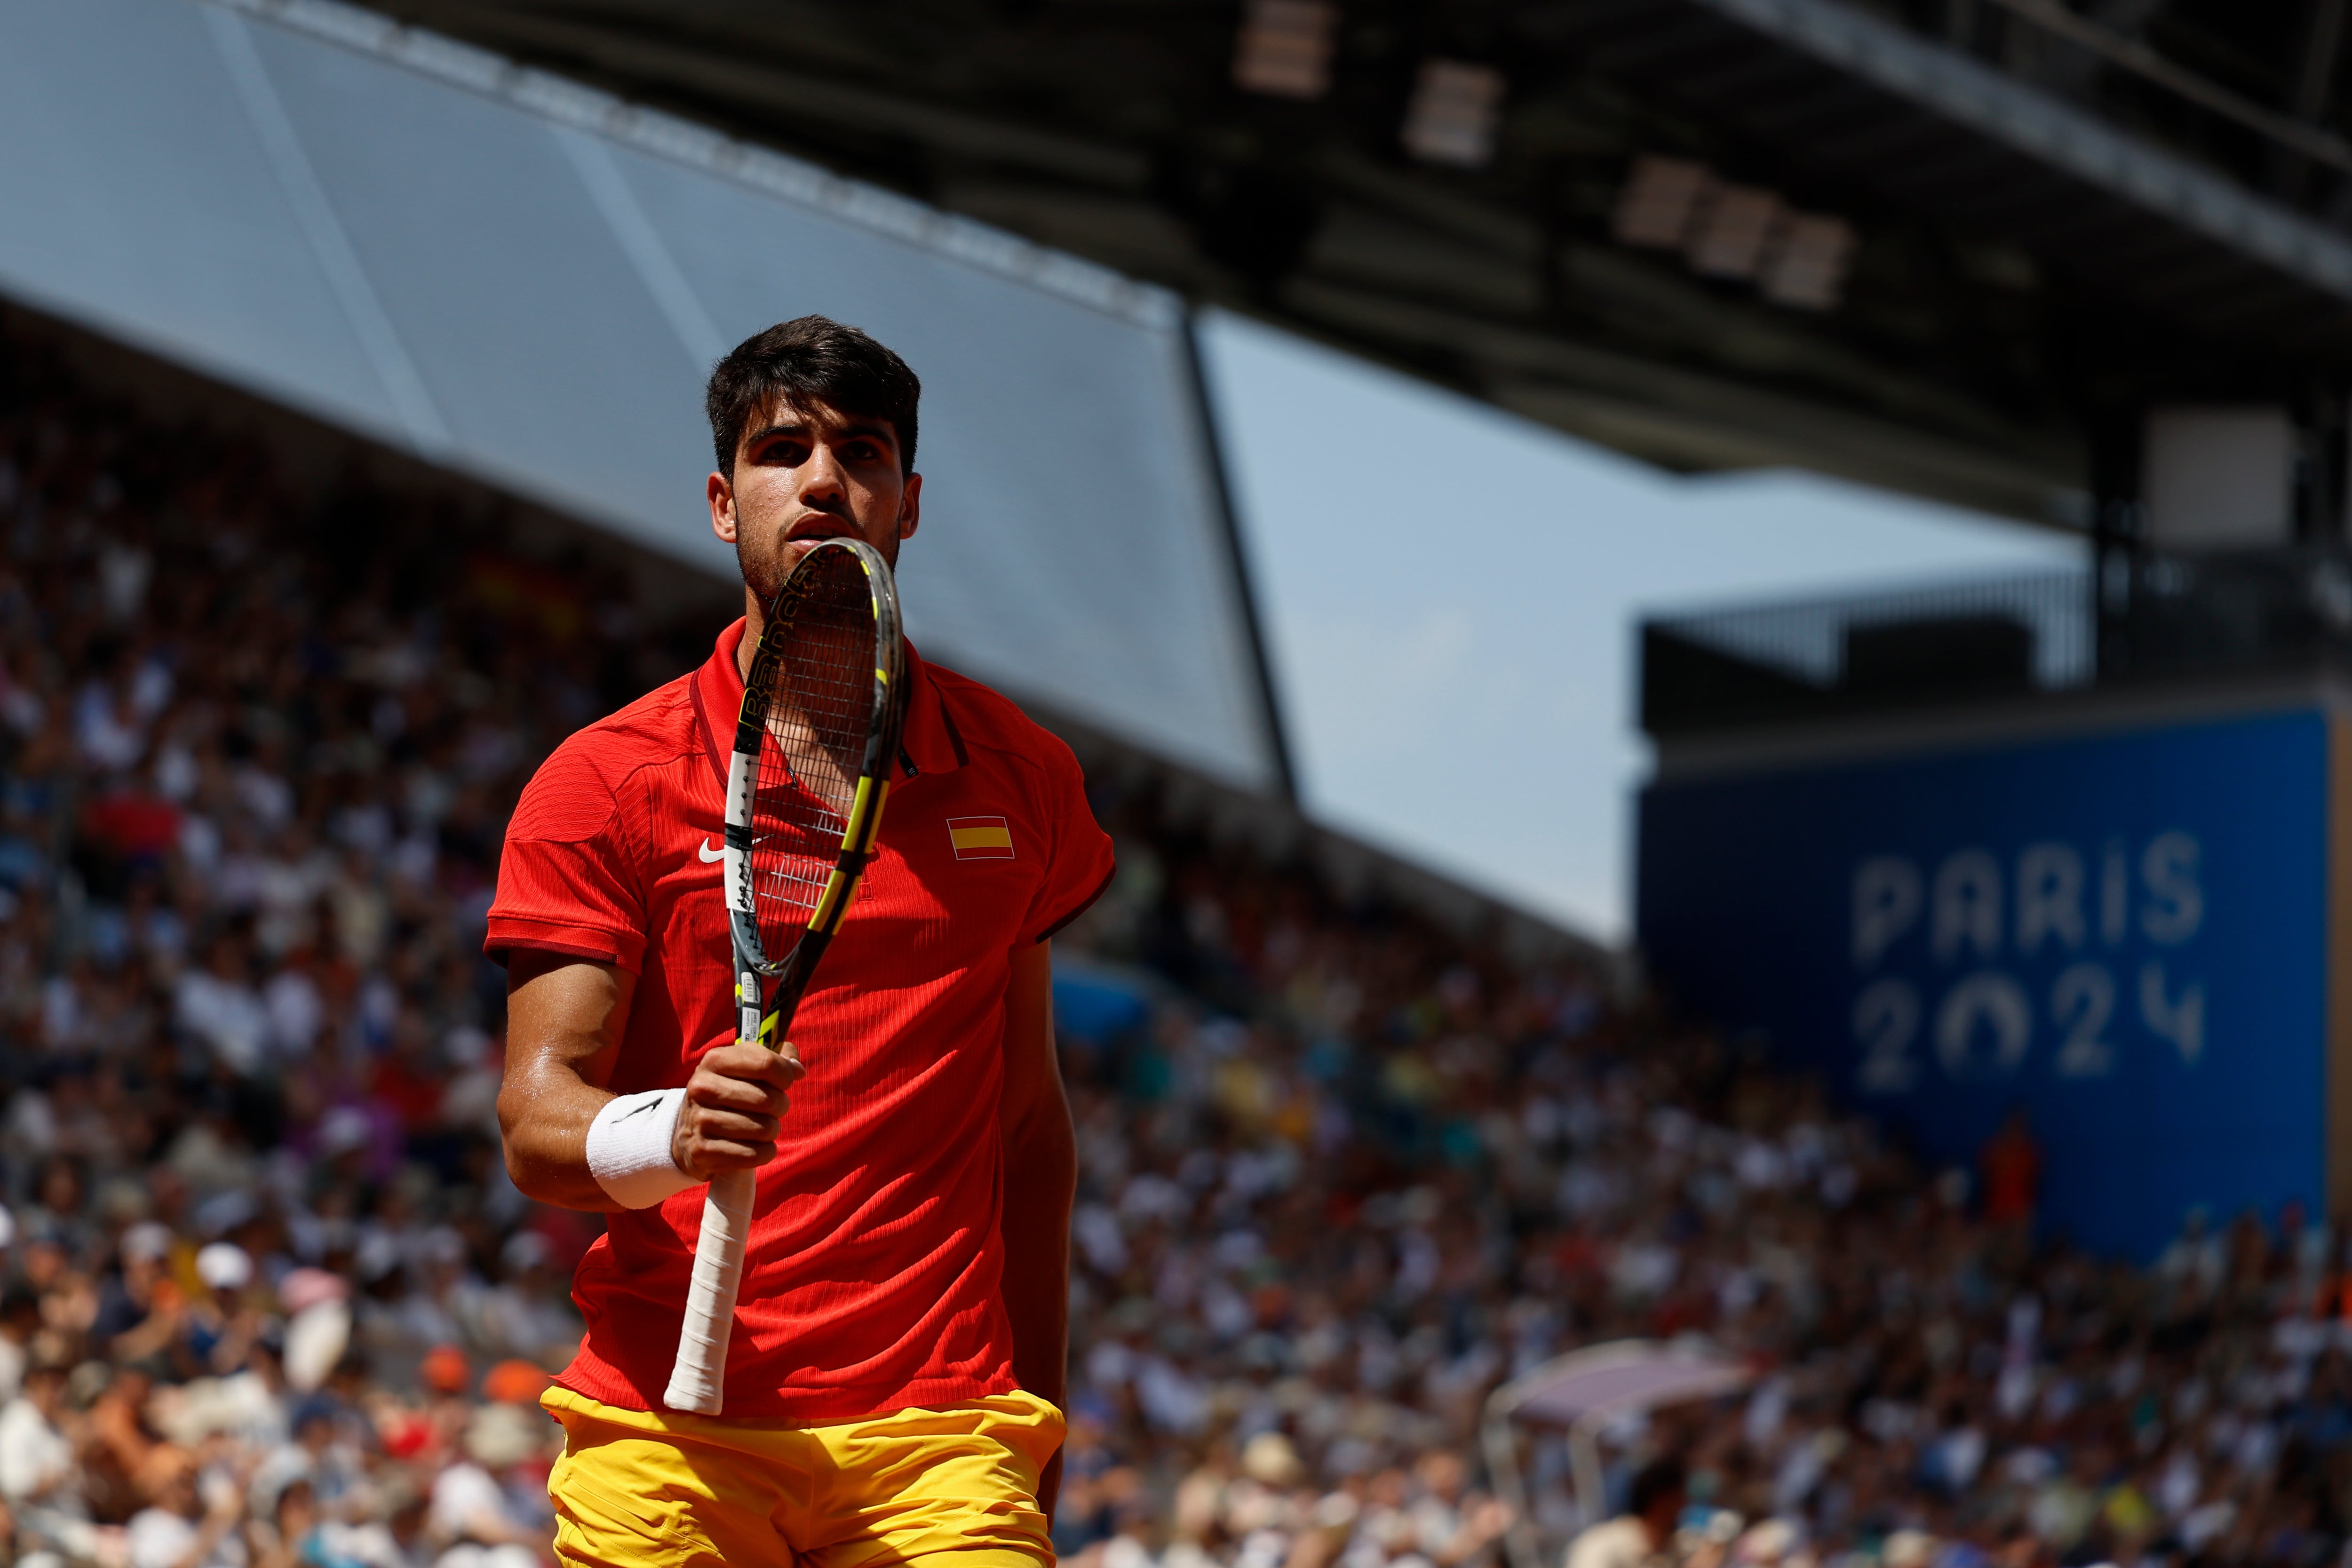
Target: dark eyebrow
point(871, 429)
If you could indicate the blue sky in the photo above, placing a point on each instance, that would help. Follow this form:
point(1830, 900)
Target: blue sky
point(1446, 586)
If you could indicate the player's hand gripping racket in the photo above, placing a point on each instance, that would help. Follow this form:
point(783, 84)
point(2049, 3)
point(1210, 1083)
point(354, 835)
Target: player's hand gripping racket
point(823, 707)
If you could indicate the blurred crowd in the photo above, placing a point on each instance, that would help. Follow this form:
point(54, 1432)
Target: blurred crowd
point(265, 1293)
point(267, 1297)
point(1342, 1177)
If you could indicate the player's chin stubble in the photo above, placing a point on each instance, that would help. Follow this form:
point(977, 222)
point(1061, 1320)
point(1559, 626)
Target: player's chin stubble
point(765, 572)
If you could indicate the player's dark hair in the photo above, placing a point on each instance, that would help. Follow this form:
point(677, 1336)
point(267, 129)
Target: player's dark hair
point(811, 359)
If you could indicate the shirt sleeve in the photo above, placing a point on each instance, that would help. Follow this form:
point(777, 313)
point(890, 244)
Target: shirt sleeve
point(1082, 861)
point(567, 878)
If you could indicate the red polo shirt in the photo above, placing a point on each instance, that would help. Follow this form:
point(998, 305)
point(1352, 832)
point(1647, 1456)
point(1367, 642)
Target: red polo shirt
point(871, 1280)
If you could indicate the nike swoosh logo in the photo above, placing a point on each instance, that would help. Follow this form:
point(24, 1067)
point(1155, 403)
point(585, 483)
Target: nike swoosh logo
point(709, 854)
point(637, 1110)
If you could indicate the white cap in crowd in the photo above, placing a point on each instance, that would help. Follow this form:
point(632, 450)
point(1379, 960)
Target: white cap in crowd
point(225, 1265)
point(148, 1241)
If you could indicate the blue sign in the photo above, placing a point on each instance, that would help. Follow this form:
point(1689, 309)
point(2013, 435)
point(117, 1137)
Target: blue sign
point(2126, 934)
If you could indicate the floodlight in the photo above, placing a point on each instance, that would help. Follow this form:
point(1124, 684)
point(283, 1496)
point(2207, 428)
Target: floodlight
point(1454, 115)
point(1733, 231)
point(1807, 264)
point(1660, 199)
point(1284, 48)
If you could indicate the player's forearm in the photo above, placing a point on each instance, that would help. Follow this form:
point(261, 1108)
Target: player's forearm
point(1041, 1179)
point(546, 1126)
point(572, 1143)
point(1040, 1153)
point(1041, 1182)
point(564, 1020)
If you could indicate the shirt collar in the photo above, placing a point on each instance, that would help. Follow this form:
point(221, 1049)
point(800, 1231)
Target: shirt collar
point(930, 741)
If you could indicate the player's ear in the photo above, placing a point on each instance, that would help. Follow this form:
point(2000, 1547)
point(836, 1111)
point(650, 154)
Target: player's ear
point(721, 495)
point(911, 506)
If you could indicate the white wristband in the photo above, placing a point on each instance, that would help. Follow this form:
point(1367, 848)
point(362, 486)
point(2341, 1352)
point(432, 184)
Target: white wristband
point(629, 1148)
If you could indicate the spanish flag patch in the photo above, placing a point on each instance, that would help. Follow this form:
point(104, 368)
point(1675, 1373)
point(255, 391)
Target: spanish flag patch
point(980, 837)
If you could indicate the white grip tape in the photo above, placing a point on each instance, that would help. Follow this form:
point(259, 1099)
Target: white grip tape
point(629, 1148)
point(697, 1382)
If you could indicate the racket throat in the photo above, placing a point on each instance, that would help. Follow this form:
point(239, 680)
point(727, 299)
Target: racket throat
point(754, 1025)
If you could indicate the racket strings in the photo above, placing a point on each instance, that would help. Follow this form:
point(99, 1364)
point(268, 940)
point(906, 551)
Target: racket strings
point(812, 750)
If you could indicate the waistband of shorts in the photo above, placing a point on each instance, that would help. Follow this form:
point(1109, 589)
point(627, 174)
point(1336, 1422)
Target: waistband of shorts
point(1018, 1405)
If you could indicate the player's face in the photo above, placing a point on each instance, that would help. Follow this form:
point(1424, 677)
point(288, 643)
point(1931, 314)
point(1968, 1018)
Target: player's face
point(807, 474)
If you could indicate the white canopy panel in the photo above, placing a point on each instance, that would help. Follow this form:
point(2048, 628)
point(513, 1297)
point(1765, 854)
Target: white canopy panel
point(512, 275)
point(1614, 1379)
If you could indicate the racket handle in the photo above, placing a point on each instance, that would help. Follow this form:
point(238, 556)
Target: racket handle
point(698, 1379)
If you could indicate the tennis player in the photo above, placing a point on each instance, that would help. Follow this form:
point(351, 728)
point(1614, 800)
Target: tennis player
point(896, 1370)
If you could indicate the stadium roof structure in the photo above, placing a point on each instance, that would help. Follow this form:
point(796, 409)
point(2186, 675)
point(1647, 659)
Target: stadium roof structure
point(1954, 246)
point(509, 275)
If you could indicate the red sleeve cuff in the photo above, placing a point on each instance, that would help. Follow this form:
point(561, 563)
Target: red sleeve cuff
point(624, 949)
point(1081, 907)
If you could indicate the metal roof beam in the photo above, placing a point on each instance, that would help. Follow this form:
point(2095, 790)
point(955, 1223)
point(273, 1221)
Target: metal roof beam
point(2030, 122)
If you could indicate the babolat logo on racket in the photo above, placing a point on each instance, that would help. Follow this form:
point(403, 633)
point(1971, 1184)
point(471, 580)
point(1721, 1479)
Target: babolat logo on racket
point(980, 837)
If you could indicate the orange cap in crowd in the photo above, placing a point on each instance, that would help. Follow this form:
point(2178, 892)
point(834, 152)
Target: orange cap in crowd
point(445, 1370)
point(514, 1382)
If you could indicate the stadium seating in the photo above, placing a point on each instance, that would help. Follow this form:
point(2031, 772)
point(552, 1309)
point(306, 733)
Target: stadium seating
point(270, 1299)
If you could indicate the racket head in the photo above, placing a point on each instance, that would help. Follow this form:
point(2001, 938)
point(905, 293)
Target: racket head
point(823, 708)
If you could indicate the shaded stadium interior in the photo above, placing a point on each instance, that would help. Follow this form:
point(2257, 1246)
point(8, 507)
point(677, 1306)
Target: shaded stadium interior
point(2002, 324)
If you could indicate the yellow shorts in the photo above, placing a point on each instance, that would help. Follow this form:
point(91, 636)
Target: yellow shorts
point(672, 1490)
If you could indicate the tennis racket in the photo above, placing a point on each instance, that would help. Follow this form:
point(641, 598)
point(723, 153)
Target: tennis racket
point(824, 705)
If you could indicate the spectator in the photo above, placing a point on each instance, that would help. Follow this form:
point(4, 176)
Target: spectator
point(20, 1320)
point(2012, 1162)
point(182, 1528)
point(480, 1509)
point(37, 1461)
point(1640, 1534)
